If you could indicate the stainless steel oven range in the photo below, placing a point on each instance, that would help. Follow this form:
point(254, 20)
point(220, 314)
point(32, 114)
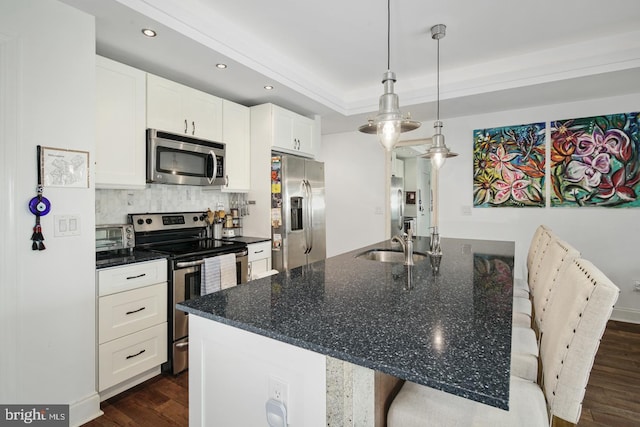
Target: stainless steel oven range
point(182, 236)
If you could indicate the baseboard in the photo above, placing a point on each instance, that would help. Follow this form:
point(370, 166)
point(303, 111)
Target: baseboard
point(131, 382)
point(626, 315)
point(84, 410)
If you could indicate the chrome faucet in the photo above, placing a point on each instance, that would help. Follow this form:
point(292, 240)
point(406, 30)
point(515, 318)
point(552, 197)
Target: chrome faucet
point(406, 240)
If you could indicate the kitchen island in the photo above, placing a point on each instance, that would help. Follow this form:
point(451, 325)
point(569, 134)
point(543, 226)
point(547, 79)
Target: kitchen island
point(450, 330)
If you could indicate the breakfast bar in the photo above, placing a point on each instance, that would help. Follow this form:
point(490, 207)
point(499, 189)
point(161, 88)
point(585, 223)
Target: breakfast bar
point(447, 328)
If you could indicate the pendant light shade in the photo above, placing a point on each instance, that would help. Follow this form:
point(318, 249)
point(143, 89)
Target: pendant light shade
point(389, 123)
point(438, 152)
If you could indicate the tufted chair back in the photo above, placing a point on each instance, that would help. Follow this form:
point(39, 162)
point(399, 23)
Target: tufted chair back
point(535, 241)
point(555, 258)
point(546, 236)
point(575, 319)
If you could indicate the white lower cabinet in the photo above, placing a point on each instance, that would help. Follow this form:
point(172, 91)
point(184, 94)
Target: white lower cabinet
point(133, 354)
point(132, 324)
point(259, 259)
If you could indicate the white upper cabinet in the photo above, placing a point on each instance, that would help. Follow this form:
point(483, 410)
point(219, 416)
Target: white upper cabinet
point(292, 133)
point(236, 125)
point(176, 108)
point(120, 125)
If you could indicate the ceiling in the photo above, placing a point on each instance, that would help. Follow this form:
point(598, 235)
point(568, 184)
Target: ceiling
point(327, 57)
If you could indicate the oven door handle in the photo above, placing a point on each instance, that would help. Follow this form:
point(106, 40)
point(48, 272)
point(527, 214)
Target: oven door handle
point(185, 264)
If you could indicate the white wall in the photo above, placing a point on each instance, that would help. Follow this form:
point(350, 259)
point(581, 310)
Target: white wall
point(355, 195)
point(607, 237)
point(47, 298)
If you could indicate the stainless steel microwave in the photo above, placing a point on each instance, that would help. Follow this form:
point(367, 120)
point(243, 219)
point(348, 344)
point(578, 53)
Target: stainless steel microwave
point(180, 159)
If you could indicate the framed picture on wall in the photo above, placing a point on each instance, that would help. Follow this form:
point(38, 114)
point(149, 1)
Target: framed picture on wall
point(64, 168)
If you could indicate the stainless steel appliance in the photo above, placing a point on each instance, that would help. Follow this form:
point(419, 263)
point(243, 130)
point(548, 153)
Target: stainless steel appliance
point(298, 218)
point(397, 205)
point(179, 159)
point(183, 238)
point(114, 237)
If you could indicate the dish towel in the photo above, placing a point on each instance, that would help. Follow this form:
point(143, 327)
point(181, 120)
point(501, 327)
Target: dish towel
point(227, 271)
point(210, 276)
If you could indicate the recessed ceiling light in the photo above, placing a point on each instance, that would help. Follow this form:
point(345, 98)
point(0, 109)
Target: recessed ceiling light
point(268, 87)
point(221, 66)
point(148, 32)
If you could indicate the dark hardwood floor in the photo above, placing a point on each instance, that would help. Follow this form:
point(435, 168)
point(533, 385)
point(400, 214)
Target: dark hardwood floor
point(612, 397)
point(162, 401)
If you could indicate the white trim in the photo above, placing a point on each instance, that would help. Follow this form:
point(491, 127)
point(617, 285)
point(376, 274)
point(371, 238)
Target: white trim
point(10, 85)
point(83, 411)
point(629, 315)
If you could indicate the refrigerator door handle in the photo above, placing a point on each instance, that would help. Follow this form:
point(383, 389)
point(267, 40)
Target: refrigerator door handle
point(401, 216)
point(310, 216)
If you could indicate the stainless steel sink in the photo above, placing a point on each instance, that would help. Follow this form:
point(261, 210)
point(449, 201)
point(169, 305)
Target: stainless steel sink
point(388, 255)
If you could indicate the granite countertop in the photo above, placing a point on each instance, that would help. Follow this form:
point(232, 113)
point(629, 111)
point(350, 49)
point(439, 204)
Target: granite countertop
point(450, 331)
point(104, 259)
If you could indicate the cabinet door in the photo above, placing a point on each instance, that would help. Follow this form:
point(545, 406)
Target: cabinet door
point(126, 357)
point(236, 123)
point(127, 312)
point(131, 276)
point(120, 125)
point(292, 133)
point(257, 268)
point(165, 109)
point(204, 115)
point(303, 135)
point(283, 130)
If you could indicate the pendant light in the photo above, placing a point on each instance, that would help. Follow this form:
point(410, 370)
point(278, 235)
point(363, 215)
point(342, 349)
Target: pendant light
point(438, 152)
point(389, 123)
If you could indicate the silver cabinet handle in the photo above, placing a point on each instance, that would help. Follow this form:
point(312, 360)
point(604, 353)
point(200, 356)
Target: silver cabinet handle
point(186, 128)
point(136, 277)
point(193, 128)
point(183, 345)
point(259, 252)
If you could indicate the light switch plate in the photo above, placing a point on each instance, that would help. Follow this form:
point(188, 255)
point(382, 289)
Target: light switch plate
point(66, 225)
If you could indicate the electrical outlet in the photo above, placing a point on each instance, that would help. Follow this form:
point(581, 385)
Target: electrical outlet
point(637, 286)
point(278, 390)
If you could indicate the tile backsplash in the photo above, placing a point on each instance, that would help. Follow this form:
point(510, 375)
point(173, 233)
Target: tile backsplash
point(112, 206)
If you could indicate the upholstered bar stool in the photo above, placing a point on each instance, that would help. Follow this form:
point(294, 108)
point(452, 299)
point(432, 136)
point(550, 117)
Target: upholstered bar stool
point(575, 319)
point(521, 286)
point(556, 257)
point(522, 309)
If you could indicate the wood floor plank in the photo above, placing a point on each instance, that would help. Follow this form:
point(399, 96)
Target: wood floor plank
point(612, 397)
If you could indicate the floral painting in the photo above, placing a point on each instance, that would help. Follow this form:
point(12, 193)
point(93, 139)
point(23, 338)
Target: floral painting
point(594, 161)
point(508, 166)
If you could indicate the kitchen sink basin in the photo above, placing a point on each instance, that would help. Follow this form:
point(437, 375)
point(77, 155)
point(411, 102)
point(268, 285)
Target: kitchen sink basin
point(388, 255)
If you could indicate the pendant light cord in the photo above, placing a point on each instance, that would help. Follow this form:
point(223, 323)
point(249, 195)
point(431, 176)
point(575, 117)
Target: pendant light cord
point(438, 82)
point(388, 35)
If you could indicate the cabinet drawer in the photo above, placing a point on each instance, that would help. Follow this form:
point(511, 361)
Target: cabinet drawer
point(131, 355)
point(132, 276)
point(131, 311)
point(259, 250)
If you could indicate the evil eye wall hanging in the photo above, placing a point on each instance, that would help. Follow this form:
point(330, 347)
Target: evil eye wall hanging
point(39, 206)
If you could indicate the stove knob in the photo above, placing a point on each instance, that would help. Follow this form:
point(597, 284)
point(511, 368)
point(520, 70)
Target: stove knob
point(195, 219)
point(140, 221)
point(148, 220)
point(202, 217)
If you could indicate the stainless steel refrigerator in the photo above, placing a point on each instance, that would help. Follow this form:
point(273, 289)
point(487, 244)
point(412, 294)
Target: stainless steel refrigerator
point(297, 211)
point(396, 197)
